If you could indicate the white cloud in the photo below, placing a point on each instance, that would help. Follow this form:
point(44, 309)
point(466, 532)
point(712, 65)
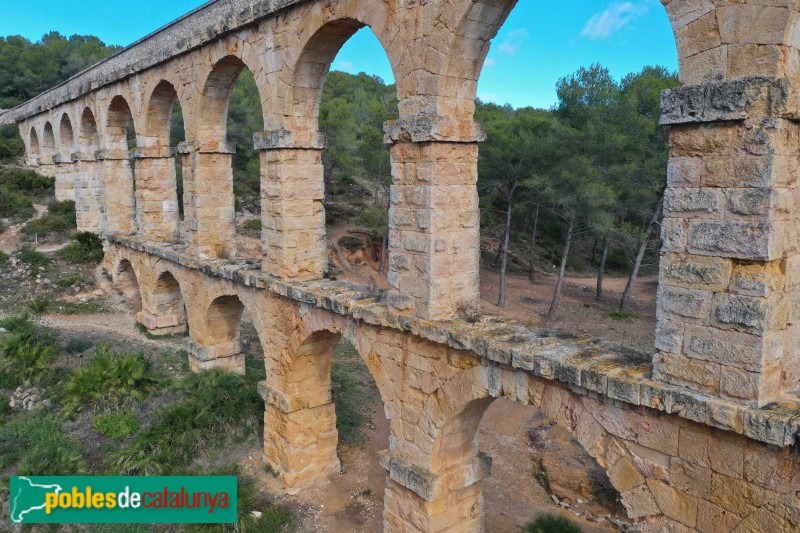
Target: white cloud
point(512, 41)
point(344, 64)
point(615, 17)
point(489, 62)
point(489, 97)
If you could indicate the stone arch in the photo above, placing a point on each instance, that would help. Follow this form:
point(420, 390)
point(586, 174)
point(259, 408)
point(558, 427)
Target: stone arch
point(215, 97)
point(127, 282)
point(117, 119)
point(48, 140)
point(89, 138)
point(159, 113)
point(223, 317)
point(214, 341)
point(164, 309)
point(608, 433)
point(33, 143)
point(298, 393)
point(66, 135)
point(310, 69)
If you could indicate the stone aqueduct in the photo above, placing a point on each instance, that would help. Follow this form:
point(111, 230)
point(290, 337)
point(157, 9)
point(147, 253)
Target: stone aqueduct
point(698, 436)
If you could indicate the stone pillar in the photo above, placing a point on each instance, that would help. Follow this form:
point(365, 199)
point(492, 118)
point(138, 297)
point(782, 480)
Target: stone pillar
point(209, 214)
point(434, 241)
point(119, 205)
point(417, 499)
point(66, 174)
point(88, 184)
point(226, 355)
point(292, 213)
point(729, 284)
point(300, 436)
point(156, 195)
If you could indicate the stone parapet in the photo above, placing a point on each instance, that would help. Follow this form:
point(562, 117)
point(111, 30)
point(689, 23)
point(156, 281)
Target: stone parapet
point(590, 367)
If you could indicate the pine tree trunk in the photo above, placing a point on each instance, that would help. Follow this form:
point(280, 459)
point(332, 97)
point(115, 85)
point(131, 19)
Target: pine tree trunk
point(501, 300)
point(532, 271)
point(602, 270)
point(384, 244)
point(626, 296)
point(560, 283)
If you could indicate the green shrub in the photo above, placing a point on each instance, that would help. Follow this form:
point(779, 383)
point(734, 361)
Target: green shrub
point(552, 523)
point(11, 144)
point(28, 182)
point(76, 346)
point(25, 352)
point(349, 394)
point(117, 425)
point(215, 405)
point(30, 256)
point(5, 407)
point(3, 255)
point(249, 498)
point(253, 225)
point(60, 219)
point(87, 248)
point(14, 204)
point(40, 305)
point(70, 279)
point(38, 442)
point(108, 381)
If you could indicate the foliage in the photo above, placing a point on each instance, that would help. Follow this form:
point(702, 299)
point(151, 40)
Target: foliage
point(11, 144)
point(250, 499)
point(30, 256)
point(26, 351)
point(60, 218)
point(215, 405)
point(117, 425)
point(3, 255)
point(14, 203)
point(87, 248)
point(253, 225)
point(348, 376)
point(552, 523)
point(41, 304)
point(28, 69)
point(26, 181)
point(108, 381)
point(39, 443)
point(622, 315)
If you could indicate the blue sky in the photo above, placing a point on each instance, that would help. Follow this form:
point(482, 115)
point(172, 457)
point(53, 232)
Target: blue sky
point(540, 42)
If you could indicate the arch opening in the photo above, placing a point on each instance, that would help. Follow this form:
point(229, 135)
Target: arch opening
point(336, 415)
point(48, 140)
point(119, 187)
point(126, 282)
point(120, 128)
point(66, 136)
point(332, 95)
point(89, 137)
point(33, 143)
point(215, 340)
point(165, 311)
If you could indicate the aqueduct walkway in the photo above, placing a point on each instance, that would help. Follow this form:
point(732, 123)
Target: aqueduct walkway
point(698, 436)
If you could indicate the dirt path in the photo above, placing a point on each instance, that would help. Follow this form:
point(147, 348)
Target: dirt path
point(10, 239)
